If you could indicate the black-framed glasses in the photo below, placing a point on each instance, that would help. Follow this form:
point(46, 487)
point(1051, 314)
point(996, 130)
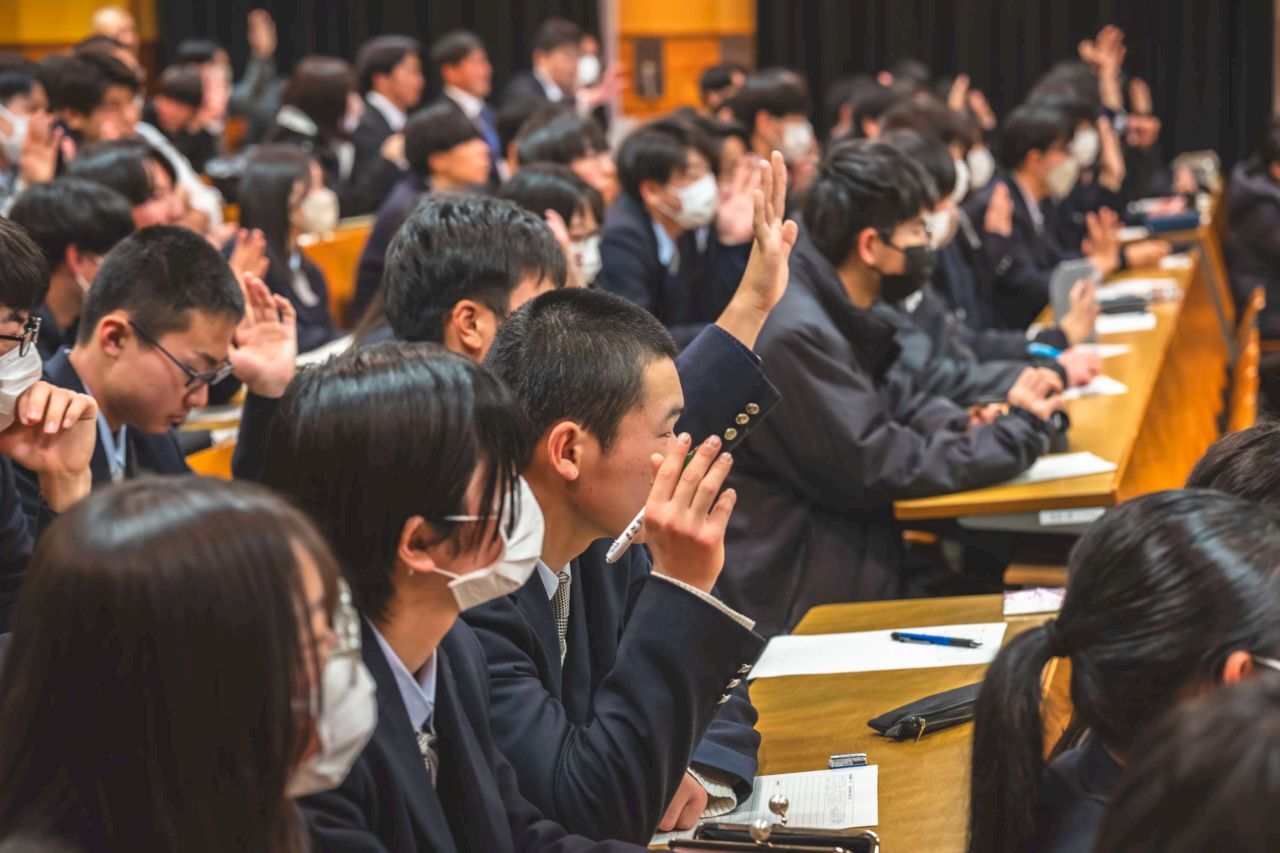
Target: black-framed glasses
point(195, 378)
point(26, 340)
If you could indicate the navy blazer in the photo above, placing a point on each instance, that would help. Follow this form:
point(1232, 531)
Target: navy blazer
point(373, 176)
point(1073, 797)
point(17, 537)
point(524, 87)
point(685, 301)
point(387, 802)
point(584, 737)
point(394, 211)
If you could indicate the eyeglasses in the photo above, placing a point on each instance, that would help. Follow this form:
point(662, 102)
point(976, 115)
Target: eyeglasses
point(195, 378)
point(26, 340)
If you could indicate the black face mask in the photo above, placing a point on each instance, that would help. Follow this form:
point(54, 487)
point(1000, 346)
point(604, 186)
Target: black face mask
point(920, 262)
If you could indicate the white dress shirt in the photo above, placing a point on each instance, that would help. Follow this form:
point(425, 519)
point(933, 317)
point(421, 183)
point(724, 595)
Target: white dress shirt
point(394, 115)
point(417, 690)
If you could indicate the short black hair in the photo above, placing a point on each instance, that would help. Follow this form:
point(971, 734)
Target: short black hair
point(26, 273)
point(437, 128)
point(559, 137)
point(121, 164)
point(513, 116)
point(183, 84)
point(80, 82)
point(451, 48)
point(16, 78)
point(911, 70)
point(1032, 127)
point(159, 275)
point(554, 33)
point(381, 55)
point(455, 247)
point(776, 91)
point(71, 211)
point(716, 131)
point(579, 355)
point(927, 152)
point(870, 104)
point(1243, 464)
point(925, 114)
point(197, 51)
point(1268, 145)
point(657, 151)
point(717, 78)
point(98, 43)
point(550, 186)
point(862, 184)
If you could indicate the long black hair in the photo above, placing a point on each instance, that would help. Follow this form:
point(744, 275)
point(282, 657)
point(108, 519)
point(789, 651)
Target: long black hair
point(149, 689)
point(383, 433)
point(1159, 592)
point(267, 189)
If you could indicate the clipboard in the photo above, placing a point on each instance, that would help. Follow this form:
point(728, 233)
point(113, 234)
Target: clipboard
point(1064, 277)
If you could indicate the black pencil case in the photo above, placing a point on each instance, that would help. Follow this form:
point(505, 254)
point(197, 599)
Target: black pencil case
point(930, 714)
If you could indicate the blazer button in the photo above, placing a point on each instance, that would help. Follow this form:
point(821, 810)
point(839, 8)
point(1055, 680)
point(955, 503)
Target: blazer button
point(733, 683)
point(742, 420)
point(753, 409)
point(744, 669)
point(730, 434)
point(723, 699)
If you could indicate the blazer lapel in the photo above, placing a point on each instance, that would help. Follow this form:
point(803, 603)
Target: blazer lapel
point(59, 371)
point(531, 599)
point(579, 658)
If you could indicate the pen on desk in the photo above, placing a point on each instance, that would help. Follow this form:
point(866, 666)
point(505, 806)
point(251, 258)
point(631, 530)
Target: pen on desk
point(620, 545)
point(933, 640)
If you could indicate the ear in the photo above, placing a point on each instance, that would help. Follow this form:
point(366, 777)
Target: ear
point(865, 245)
point(112, 333)
point(436, 162)
point(413, 551)
point(1275, 170)
point(1239, 666)
point(563, 447)
point(467, 320)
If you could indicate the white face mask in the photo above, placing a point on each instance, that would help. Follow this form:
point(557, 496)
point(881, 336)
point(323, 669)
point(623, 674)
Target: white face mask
point(797, 139)
point(11, 144)
point(521, 550)
point(962, 181)
point(346, 717)
point(588, 70)
point(982, 167)
point(318, 211)
point(698, 203)
point(586, 257)
point(17, 374)
point(1085, 146)
point(1062, 178)
point(942, 227)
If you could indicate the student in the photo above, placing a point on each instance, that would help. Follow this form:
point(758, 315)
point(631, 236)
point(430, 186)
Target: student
point(466, 75)
point(717, 85)
point(93, 95)
point(1239, 463)
point(136, 171)
point(562, 136)
point(572, 209)
point(1252, 210)
point(283, 195)
point(1169, 595)
point(442, 524)
point(173, 111)
point(220, 717)
point(49, 431)
point(819, 478)
point(165, 319)
point(556, 50)
point(445, 155)
point(658, 246)
point(730, 141)
point(389, 78)
point(22, 98)
point(570, 653)
point(75, 223)
point(1204, 778)
point(774, 106)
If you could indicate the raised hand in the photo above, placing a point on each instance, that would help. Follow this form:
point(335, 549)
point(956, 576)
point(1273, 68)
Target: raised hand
point(1102, 243)
point(684, 520)
point(265, 349)
point(1111, 170)
point(53, 435)
point(981, 109)
point(1077, 324)
point(1140, 101)
point(999, 217)
point(735, 218)
point(262, 34)
point(38, 160)
point(249, 255)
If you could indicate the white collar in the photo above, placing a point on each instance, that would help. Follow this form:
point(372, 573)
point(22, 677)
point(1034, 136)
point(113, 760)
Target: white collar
point(394, 115)
point(470, 105)
point(292, 118)
point(554, 92)
point(418, 690)
point(551, 580)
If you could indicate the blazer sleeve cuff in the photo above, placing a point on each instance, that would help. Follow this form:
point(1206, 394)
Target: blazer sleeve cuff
point(749, 624)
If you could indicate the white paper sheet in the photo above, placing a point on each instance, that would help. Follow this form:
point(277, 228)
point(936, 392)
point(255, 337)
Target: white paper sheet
point(1101, 386)
point(324, 353)
point(1180, 261)
point(1064, 466)
point(1140, 288)
point(1041, 599)
point(1117, 324)
point(1133, 233)
point(820, 799)
point(226, 413)
point(1105, 350)
point(874, 651)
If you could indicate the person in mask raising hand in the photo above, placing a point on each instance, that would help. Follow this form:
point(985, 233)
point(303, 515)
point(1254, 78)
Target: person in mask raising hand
point(657, 247)
point(203, 622)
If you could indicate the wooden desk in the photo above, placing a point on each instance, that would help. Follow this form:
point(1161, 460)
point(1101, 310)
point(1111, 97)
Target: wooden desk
point(1176, 374)
point(924, 786)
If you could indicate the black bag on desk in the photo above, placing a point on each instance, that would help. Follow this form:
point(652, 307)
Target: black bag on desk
point(930, 714)
point(726, 837)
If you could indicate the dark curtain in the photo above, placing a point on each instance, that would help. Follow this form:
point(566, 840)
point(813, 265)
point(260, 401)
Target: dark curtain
point(1209, 62)
point(337, 27)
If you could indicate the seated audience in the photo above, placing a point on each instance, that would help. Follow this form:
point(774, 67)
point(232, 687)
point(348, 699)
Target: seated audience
point(562, 136)
point(572, 208)
point(658, 246)
point(283, 195)
point(1252, 209)
point(389, 78)
point(173, 110)
point(1168, 595)
point(819, 478)
point(75, 223)
point(136, 171)
point(222, 714)
point(22, 102)
point(553, 78)
point(442, 523)
point(774, 106)
point(716, 87)
point(466, 75)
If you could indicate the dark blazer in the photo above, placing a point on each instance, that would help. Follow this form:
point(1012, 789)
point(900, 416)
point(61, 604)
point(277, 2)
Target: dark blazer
point(404, 197)
point(387, 802)
point(1073, 797)
point(816, 482)
point(373, 176)
point(17, 537)
point(600, 743)
point(315, 324)
point(1253, 240)
point(361, 190)
point(523, 87)
point(52, 339)
point(685, 301)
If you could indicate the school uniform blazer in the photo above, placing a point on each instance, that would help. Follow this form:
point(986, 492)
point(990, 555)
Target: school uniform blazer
point(387, 802)
point(17, 537)
point(525, 87)
point(1073, 798)
point(816, 481)
point(373, 175)
point(600, 743)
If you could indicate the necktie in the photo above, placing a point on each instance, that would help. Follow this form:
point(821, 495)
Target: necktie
point(560, 607)
point(485, 124)
point(430, 755)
